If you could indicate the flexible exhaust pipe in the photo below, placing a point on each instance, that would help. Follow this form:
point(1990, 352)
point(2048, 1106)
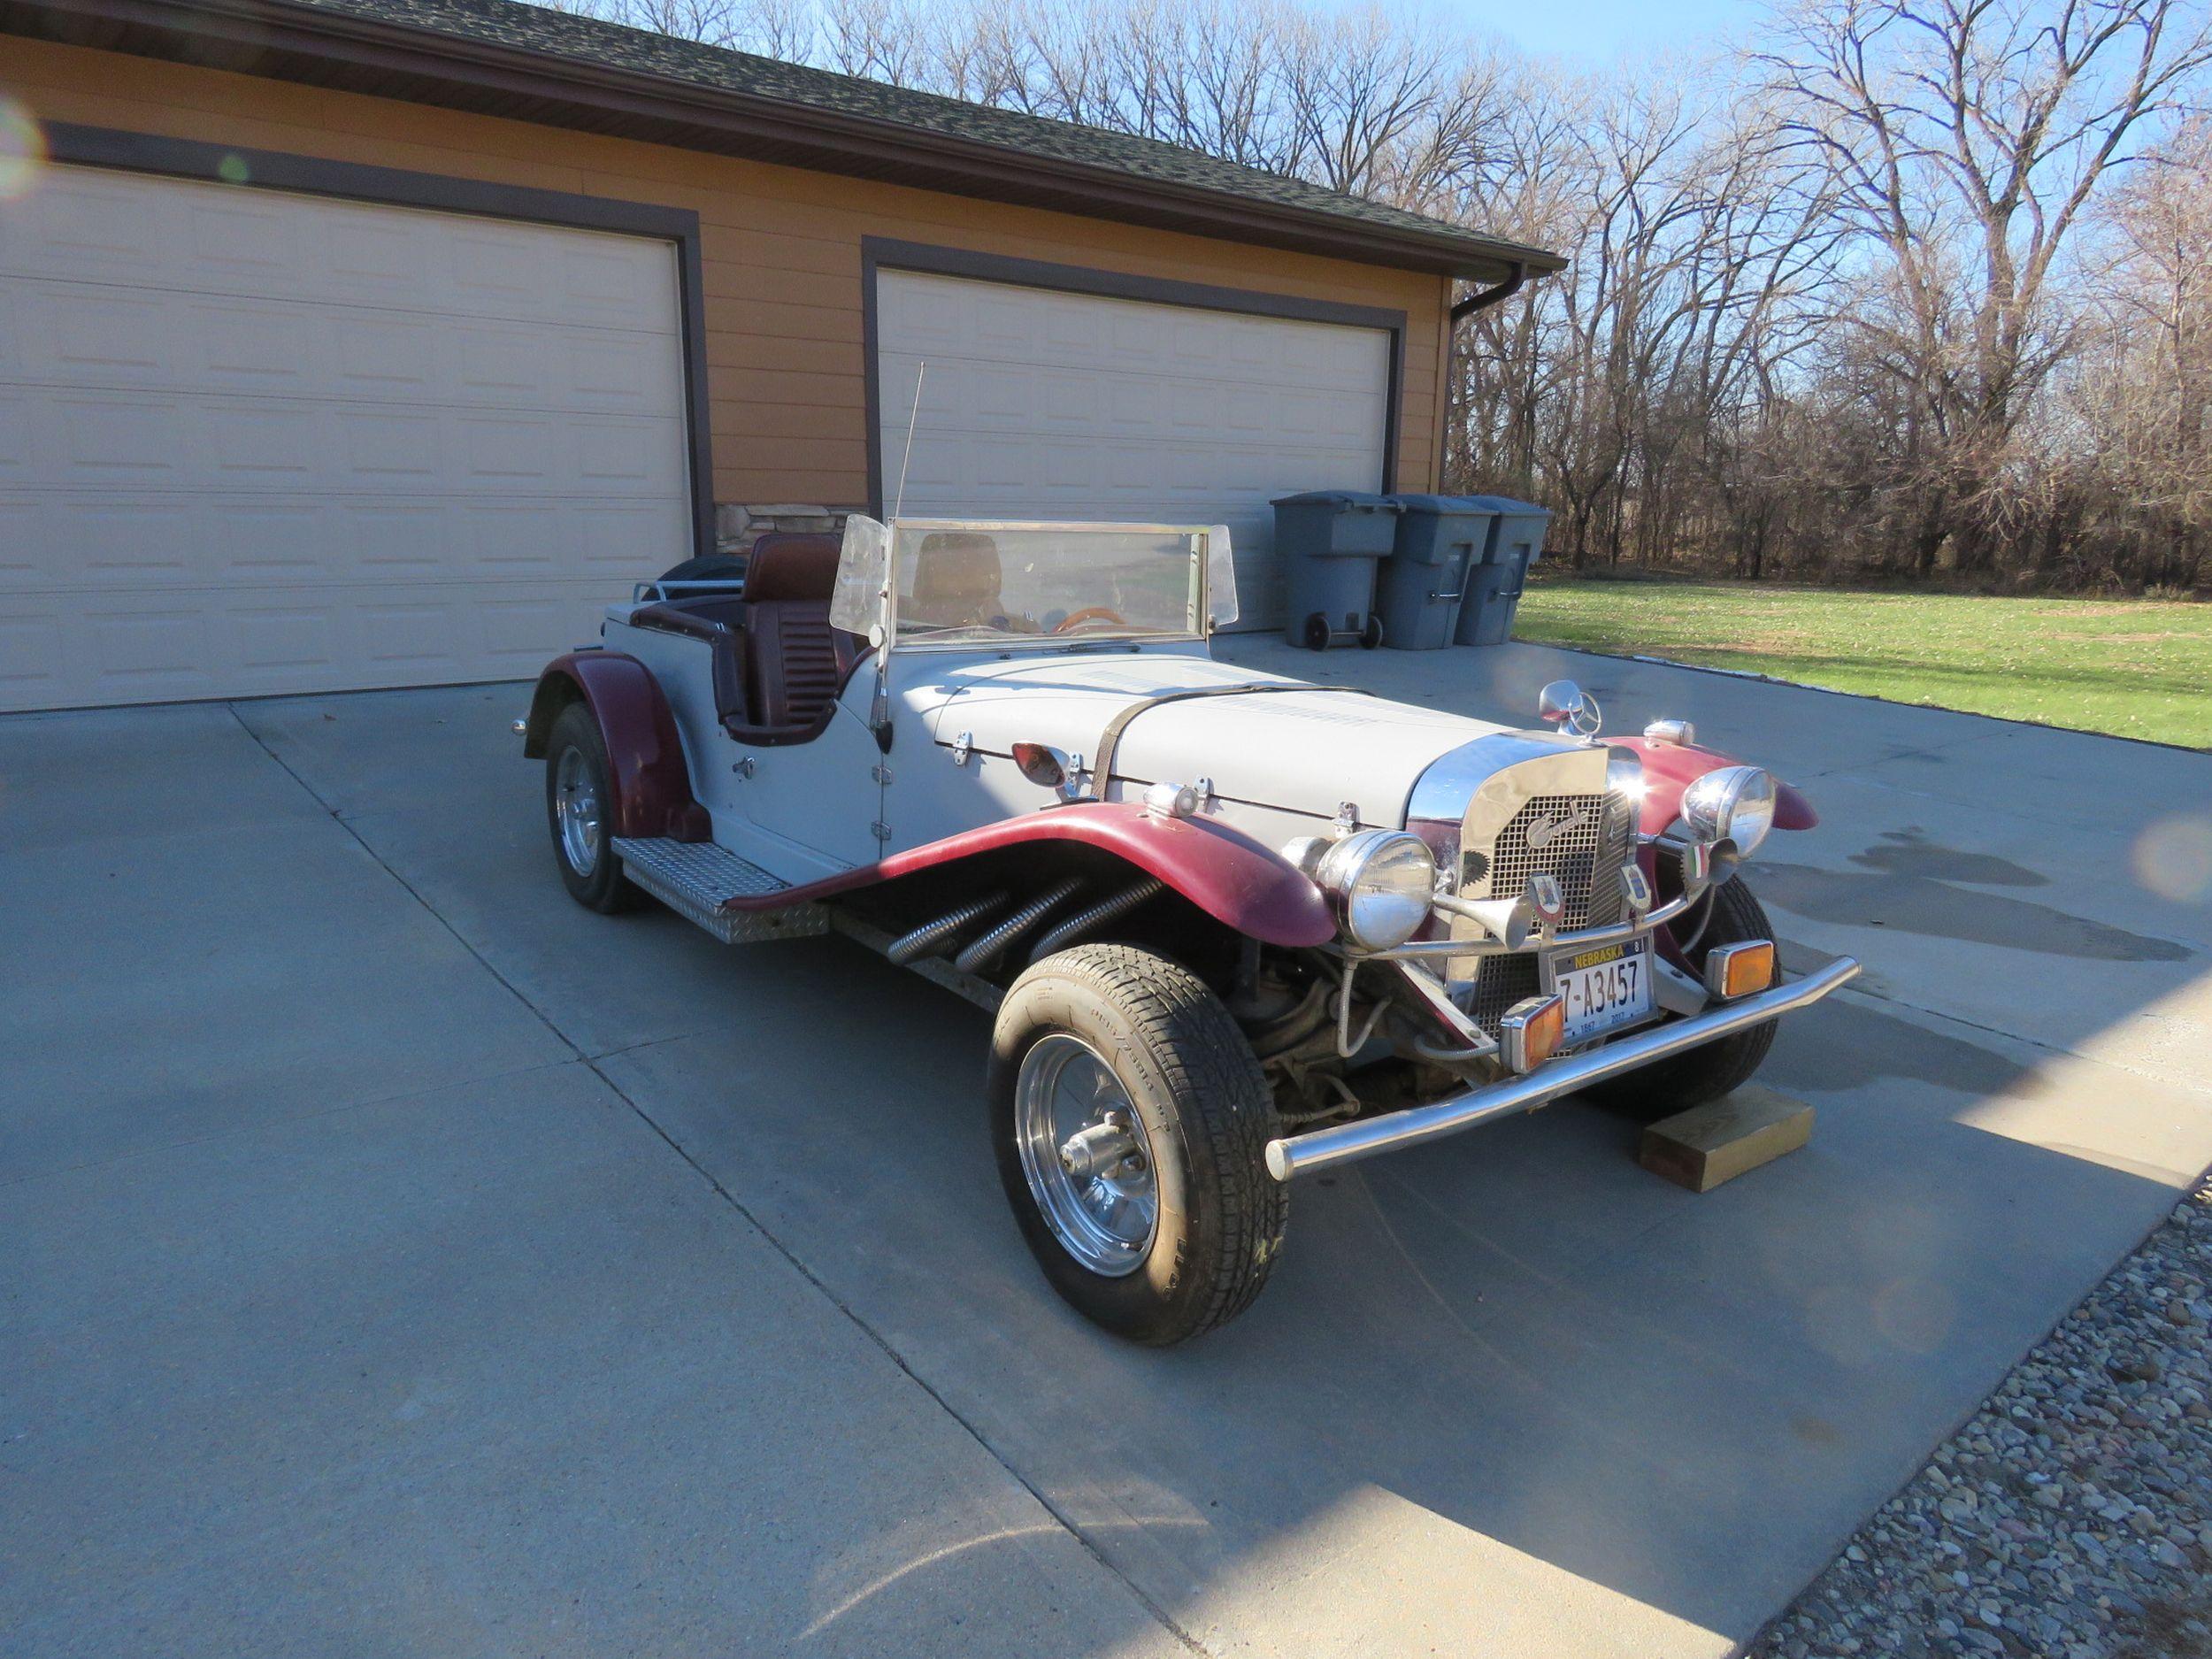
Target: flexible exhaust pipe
point(989, 947)
point(1096, 915)
point(925, 940)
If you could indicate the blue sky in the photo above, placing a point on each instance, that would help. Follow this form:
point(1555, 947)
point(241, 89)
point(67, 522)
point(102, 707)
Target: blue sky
point(1602, 30)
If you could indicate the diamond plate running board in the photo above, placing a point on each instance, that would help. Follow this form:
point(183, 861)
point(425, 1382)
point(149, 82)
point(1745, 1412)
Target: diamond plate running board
point(697, 878)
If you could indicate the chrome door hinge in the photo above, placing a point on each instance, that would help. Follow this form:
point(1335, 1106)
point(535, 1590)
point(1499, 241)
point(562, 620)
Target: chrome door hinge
point(744, 768)
point(881, 774)
point(963, 746)
point(880, 830)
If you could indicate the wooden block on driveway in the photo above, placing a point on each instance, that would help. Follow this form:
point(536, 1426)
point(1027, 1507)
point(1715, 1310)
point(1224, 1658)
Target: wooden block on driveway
point(1717, 1141)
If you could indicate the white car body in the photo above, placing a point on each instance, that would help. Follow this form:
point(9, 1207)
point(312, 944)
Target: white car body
point(1326, 923)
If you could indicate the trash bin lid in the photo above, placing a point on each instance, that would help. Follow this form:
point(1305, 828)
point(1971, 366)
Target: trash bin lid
point(1499, 504)
point(1354, 500)
point(1447, 505)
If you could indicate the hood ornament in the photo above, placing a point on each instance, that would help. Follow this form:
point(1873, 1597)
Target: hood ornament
point(1566, 705)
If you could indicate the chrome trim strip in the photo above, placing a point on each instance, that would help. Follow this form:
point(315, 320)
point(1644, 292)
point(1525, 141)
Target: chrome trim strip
point(1322, 1148)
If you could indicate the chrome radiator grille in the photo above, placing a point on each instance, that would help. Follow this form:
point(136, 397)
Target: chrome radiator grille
point(1501, 982)
point(1575, 835)
point(1585, 838)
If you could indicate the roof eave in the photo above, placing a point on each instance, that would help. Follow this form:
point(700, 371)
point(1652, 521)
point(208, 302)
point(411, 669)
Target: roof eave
point(383, 58)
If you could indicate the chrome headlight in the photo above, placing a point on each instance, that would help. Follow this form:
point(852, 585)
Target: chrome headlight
point(1733, 803)
point(1382, 883)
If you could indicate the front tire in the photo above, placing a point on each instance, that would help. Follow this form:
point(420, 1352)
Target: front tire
point(1711, 1070)
point(579, 812)
point(1168, 1224)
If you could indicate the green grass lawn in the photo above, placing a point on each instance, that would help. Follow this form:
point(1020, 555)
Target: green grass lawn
point(2132, 667)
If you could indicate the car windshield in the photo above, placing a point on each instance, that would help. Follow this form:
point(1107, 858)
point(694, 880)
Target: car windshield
point(959, 583)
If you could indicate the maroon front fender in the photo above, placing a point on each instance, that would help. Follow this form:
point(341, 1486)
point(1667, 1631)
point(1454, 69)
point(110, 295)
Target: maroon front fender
point(652, 785)
point(1671, 768)
point(1223, 871)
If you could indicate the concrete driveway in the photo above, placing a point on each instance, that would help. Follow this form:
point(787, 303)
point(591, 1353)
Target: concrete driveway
point(395, 1257)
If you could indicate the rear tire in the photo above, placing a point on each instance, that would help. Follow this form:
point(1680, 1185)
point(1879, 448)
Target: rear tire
point(579, 805)
point(1371, 635)
point(1316, 633)
point(1103, 1032)
point(1709, 1071)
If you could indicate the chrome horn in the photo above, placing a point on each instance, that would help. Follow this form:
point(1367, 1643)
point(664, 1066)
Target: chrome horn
point(1512, 922)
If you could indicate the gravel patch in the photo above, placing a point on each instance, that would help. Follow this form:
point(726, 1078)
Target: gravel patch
point(2071, 1517)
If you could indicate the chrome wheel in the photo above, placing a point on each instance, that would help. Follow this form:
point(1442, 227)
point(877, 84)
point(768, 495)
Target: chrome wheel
point(576, 809)
point(1084, 1151)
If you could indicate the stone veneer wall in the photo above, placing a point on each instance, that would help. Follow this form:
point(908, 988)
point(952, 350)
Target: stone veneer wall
point(737, 524)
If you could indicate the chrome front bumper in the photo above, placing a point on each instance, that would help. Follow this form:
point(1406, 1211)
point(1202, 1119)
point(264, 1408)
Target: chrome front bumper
point(1346, 1143)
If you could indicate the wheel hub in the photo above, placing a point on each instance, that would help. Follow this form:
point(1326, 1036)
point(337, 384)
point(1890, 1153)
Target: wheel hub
point(576, 811)
point(1084, 1154)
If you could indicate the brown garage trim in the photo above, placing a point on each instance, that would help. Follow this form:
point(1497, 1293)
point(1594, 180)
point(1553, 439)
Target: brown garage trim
point(879, 253)
point(313, 175)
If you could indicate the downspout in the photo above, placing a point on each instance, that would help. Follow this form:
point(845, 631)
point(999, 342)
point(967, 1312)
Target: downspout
point(1483, 299)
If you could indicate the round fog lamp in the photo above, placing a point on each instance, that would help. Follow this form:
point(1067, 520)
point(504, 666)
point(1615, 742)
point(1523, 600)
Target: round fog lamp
point(1733, 803)
point(1381, 881)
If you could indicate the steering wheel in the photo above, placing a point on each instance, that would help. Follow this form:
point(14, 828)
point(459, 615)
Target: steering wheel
point(1091, 613)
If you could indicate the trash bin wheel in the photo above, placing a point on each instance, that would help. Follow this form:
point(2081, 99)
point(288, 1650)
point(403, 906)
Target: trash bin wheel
point(1316, 632)
point(1371, 636)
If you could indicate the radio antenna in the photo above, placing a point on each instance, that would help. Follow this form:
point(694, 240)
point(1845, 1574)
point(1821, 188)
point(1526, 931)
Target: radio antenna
point(912, 416)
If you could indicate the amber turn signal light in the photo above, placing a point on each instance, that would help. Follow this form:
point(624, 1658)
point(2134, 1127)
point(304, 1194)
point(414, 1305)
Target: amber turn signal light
point(1531, 1032)
point(1734, 971)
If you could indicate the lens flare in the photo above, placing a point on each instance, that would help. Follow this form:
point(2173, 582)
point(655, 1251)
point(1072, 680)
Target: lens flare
point(22, 151)
point(2173, 859)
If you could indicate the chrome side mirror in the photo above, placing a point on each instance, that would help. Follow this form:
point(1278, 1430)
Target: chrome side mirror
point(1566, 705)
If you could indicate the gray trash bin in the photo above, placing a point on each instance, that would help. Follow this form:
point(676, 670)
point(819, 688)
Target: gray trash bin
point(1441, 541)
point(1329, 541)
point(1493, 592)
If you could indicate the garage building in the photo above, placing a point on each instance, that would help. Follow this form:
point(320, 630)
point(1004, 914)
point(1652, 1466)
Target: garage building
point(353, 344)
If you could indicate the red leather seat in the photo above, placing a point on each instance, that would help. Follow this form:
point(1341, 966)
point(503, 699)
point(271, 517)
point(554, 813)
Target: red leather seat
point(797, 663)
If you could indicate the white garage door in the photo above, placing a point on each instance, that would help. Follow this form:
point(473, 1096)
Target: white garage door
point(1040, 405)
point(253, 442)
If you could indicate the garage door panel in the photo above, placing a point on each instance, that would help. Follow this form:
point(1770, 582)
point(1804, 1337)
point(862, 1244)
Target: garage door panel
point(102, 441)
point(253, 442)
point(66, 650)
point(125, 230)
point(69, 337)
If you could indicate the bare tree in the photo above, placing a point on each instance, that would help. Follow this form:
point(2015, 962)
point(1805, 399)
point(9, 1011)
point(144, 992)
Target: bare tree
point(1967, 139)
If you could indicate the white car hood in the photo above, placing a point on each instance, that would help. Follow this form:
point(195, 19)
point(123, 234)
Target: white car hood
point(1303, 751)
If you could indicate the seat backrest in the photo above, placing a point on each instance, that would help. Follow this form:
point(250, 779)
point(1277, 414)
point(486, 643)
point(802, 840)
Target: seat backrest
point(957, 577)
point(798, 662)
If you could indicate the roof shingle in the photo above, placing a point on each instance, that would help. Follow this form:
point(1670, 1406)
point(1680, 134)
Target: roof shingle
point(591, 41)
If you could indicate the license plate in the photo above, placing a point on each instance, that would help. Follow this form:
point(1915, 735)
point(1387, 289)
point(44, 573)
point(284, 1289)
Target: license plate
point(1604, 989)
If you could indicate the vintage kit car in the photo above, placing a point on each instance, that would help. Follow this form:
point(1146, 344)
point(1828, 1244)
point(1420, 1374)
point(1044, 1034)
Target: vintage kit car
point(1234, 927)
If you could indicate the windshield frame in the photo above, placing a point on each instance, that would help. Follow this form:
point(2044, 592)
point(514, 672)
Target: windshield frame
point(1001, 642)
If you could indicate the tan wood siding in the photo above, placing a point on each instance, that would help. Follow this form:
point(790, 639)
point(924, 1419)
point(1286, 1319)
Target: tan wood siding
point(780, 251)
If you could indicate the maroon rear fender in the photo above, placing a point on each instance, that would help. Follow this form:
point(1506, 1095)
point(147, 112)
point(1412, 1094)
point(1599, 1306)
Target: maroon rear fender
point(1225, 872)
point(1671, 768)
point(652, 785)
